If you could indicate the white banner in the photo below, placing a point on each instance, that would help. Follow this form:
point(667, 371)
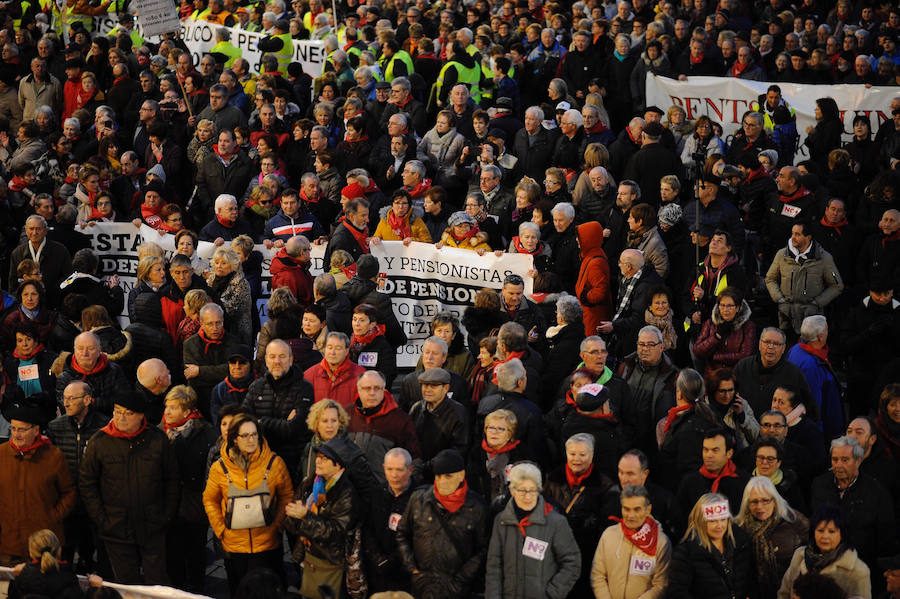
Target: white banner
point(156, 17)
point(725, 99)
point(423, 280)
point(128, 591)
point(200, 36)
point(420, 279)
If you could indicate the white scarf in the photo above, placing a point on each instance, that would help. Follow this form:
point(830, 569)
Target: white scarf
point(794, 416)
point(36, 256)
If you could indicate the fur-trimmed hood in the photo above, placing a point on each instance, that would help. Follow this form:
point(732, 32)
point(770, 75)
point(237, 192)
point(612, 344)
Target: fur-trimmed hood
point(742, 316)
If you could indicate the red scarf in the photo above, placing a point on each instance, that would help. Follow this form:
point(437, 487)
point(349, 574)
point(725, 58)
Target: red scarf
point(472, 233)
point(526, 522)
point(801, 192)
point(577, 480)
point(895, 236)
point(637, 141)
point(492, 453)
point(836, 226)
point(672, 414)
point(113, 431)
point(399, 225)
point(37, 349)
point(207, 342)
point(225, 157)
point(369, 337)
point(17, 183)
point(151, 216)
point(512, 354)
point(41, 440)
point(419, 190)
point(821, 353)
point(361, 237)
point(521, 249)
point(225, 223)
point(102, 363)
point(308, 199)
point(193, 415)
point(231, 386)
point(598, 128)
point(645, 538)
point(336, 374)
point(697, 60)
point(454, 500)
point(164, 226)
point(757, 174)
point(737, 69)
point(729, 470)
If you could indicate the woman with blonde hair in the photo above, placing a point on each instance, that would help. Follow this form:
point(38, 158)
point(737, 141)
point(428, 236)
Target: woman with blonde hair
point(151, 276)
point(46, 575)
point(228, 282)
point(490, 461)
point(714, 559)
point(595, 155)
point(190, 324)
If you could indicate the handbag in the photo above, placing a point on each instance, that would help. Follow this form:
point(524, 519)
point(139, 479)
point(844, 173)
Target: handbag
point(249, 508)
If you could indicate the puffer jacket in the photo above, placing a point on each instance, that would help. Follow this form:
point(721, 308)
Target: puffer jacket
point(727, 352)
point(697, 572)
point(72, 438)
point(802, 290)
point(327, 528)
point(272, 401)
point(611, 576)
point(848, 571)
point(478, 241)
point(36, 491)
point(654, 249)
point(130, 486)
point(447, 567)
point(417, 227)
point(215, 500)
point(106, 383)
point(511, 574)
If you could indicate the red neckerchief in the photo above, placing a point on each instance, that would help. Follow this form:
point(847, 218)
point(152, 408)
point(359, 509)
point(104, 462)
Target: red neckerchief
point(361, 237)
point(472, 232)
point(604, 415)
point(226, 157)
point(836, 226)
point(113, 431)
point(696, 60)
point(119, 79)
point(17, 183)
point(368, 337)
point(342, 369)
point(70, 180)
point(645, 538)
point(231, 386)
point(729, 470)
point(637, 141)
point(349, 271)
point(403, 105)
point(576, 480)
point(526, 522)
point(151, 215)
point(492, 453)
point(510, 356)
point(207, 341)
point(419, 190)
point(225, 223)
point(801, 192)
point(399, 225)
point(759, 173)
point(895, 236)
point(41, 440)
point(102, 362)
point(570, 399)
point(821, 353)
point(308, 199)
point(736, 70)
point(38, 349)
point(672, 414)
point(193, 415)
point(164, 226)
point(454, 500)
point(598, 128)
point(521, 249)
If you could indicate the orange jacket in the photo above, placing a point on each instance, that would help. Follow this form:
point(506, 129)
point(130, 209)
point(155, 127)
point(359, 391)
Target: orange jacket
point(215, 500)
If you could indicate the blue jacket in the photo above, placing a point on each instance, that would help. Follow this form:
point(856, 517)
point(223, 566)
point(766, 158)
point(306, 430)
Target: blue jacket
point(283, 227)
point(825, 390)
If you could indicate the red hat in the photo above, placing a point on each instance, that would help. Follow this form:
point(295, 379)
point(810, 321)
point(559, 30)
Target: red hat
point(354, 190)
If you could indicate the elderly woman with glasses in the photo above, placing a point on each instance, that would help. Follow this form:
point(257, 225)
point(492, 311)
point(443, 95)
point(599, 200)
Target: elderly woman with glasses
point(532, 552)
point(768, 455)
point(228, 282)
point(401, 221)
point(775, 529)
point(729, 334)
point(489, 463)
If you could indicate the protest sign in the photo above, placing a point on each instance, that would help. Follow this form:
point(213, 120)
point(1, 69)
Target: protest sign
point(724, 100)
point(156, 17)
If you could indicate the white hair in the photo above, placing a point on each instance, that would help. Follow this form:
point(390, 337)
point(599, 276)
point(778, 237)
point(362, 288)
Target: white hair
point(573, 115)
point(812, 327)
point(224, 200)
point(564, 208)
point(525, 471)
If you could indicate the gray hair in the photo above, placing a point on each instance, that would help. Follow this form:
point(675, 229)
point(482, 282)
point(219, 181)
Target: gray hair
point(493, 169)
point(813, 327)
point(536, 112)
point(525, 471)
point(651, 329)
point(591, 339)
point(569, 308)
point(564, 208)
point(73, 122)
point(395, 452)
point(756, 116)
point(366, 73)
point(848, 441)
point(308, 177)
point(631, 491)
point(583, 438)
point(224, 200)
point(633, 257)
point(211, 307)
point(774, 330)
point(591, 107)
point(295, 245)
point(227, 254)
point(774, 413)
point(558, 85)
point(573, 116)
point(325, 285)
point(402, 82)
point(529, 226)
point(690, 384)
point(509, 374)
point(439, 342)
point(340, 336)
point(762, 484)
point(40, 219)
point(417, 166)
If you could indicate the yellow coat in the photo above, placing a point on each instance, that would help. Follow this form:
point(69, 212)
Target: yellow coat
point(418, 230)
point(476, 242)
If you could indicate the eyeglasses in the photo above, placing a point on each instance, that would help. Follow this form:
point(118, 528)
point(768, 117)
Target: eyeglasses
point(756, 502)
point(772, 425)
point(247, 436)
point(68, 399)
point(727, 306)
point(495, 429)
point(21, 429)
point(121, 412)
point(768, 459)
point(525, 491)
point(265, 202)
point(596, 352)
point(647, 345)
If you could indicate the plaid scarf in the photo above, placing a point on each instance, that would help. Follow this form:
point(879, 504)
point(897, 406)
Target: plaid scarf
point(626, 289)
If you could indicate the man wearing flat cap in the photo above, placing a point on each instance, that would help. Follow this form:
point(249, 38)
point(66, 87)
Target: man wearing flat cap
point(36, 488)
point(442, 536)
point(440, 421)
point(325, 511)
point(130, 486)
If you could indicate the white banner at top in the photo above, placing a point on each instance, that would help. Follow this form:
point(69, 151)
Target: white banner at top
point(157, 16)
point(726, 99)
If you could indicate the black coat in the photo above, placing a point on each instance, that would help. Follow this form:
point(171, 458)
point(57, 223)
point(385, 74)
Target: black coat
point(695, 485)
point(364, 291)
point(650, 164)
point(566, 257)
point(106, 384)
point(72, 438)
point(533, 159)
point(757, 384)
point(680, 452)
point(58, 584)
point(480, 323)
point(341, 239)
point(530, 426)
point(97, 292)
point(336, 518)
point(562, 357)
point(383, 565)
point(338, 312)
point(631, 320)
point(697, 572)
point(377, 355)
point(191, 452)
point(411, 390)
point(214, 178)
point(446, 427)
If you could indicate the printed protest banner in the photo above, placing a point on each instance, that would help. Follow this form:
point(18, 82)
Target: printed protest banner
point(128, 591)
point(156, 17)
point(725, 100)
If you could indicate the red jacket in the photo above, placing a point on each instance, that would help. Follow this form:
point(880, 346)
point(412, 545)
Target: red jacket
point(71, 91)
point(592, 287)
point(341, 389)
point(288, 272)
point(388, 427)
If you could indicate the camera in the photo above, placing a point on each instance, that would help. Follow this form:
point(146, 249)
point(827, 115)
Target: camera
point(168, 105)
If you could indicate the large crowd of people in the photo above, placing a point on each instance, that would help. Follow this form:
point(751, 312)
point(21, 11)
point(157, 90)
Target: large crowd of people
point(700, 399)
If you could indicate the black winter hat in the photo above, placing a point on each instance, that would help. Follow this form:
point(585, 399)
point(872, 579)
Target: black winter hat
point(448, 461)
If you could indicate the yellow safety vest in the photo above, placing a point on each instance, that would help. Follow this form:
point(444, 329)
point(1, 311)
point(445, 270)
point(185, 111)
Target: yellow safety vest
point(402, 56)
point(229, 50)
point(286, 53)
point(72, 17)
point(471, 77)
point(25, 4)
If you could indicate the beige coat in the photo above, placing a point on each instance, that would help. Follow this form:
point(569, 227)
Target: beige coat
point(850, 572)
point(610, 573)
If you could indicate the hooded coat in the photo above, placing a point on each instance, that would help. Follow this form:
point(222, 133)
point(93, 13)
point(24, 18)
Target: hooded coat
point(725, 351)
point(592, 286)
